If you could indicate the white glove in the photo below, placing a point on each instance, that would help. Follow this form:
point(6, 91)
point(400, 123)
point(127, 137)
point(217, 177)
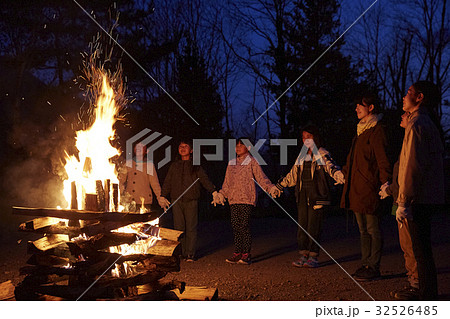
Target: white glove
point(163, 202)
point(403, 213)
point(316, 207)
point(218, 198)
point(383, 194)
point(275, 192)
point(339, 177)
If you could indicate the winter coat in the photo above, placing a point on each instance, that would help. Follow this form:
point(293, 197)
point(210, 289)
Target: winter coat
point(139, 181)
point(293, 178)
point(181, 178)
point(366, 168)
point(421, 170)
point(238, 186)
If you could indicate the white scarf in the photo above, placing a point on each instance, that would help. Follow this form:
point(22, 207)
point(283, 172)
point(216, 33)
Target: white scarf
point(368, 123)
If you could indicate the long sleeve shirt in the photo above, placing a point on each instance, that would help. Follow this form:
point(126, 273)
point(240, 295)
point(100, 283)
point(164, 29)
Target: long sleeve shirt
point(181, 180)
point(139, 181)
point(421, 172)
point(239, 186)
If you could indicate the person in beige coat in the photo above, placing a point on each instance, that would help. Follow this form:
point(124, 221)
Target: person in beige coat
point(421, 180)
point(139, 181)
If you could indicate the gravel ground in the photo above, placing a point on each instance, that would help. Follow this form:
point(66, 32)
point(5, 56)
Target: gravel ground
point(271, 276)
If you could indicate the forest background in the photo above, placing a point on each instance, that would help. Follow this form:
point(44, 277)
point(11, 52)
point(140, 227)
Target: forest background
point(256, 68)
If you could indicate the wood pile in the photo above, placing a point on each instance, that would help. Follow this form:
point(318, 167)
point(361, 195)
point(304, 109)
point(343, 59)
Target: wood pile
point(101, 256)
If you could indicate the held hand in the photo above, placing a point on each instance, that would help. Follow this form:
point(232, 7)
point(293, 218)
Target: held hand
point(403, 213)
point(275, 192)
point(218, 198)
point(383, 194)
point(163, 202)
point(339, 178)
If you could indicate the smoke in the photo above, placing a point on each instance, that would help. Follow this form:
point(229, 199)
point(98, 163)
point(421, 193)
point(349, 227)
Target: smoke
point(34, 171)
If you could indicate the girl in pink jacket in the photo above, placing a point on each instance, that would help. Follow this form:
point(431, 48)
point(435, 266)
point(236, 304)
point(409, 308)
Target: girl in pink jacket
point(240, 188)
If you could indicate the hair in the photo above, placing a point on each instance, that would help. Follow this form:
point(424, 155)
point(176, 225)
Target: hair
point(314, 130)
point(240, 140)
point(431, 101)
point(185, 141)
point(368, 98)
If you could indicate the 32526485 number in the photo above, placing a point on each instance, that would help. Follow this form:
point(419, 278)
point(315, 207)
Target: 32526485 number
point(403, 310)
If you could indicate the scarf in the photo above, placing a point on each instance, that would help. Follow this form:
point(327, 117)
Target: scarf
point(368, 123)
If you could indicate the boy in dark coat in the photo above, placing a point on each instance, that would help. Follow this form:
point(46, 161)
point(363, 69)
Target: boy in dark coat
point(182, 185)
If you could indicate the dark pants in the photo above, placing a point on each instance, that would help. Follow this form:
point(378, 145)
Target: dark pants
point(420, 230)
point(371, 239)
point(311, 222)
point(185, 218)
point(240, 221)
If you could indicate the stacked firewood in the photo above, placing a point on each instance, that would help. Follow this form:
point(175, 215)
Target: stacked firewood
point(106, 256)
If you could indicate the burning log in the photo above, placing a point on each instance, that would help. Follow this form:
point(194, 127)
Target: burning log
point(38, 223)
point(198, 293)
point(107, 192)
point(83, 215)
point(49, 225)
point(90, 202)
point(100, 195)
point(115, 194)
point(6, 290)
point(60, 251)
point(47, 242)
point(48, 260)
point(120, 252)
point(74, 202)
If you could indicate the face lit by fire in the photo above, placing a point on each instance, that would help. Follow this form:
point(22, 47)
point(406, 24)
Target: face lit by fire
point(185, 151)
point(412, 100)
point(363, 111)
point(404, 121)
point(308, 140)
point(241, 149)
point(140, 150)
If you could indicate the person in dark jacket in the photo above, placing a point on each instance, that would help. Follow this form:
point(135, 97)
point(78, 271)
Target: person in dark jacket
point(311, 192)
point(367, 168)
point(182, 184)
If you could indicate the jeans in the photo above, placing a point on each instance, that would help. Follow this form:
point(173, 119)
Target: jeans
point(371, 239)
point(185, 218)
point(420, 231)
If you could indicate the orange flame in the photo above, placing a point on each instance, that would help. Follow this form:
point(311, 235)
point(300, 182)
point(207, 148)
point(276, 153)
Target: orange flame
point(94, 148)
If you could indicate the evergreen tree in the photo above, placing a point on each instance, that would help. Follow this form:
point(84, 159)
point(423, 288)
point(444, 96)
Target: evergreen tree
point(324, 94)
point(197, 93)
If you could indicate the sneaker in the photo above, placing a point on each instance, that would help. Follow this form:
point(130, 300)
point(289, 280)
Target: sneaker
point(369, 274)
point(234, 259)
point(311, 263)
point(190, 258)
point(406, 294)
point(359, 270)
point(300, 262)
point(245, 259)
